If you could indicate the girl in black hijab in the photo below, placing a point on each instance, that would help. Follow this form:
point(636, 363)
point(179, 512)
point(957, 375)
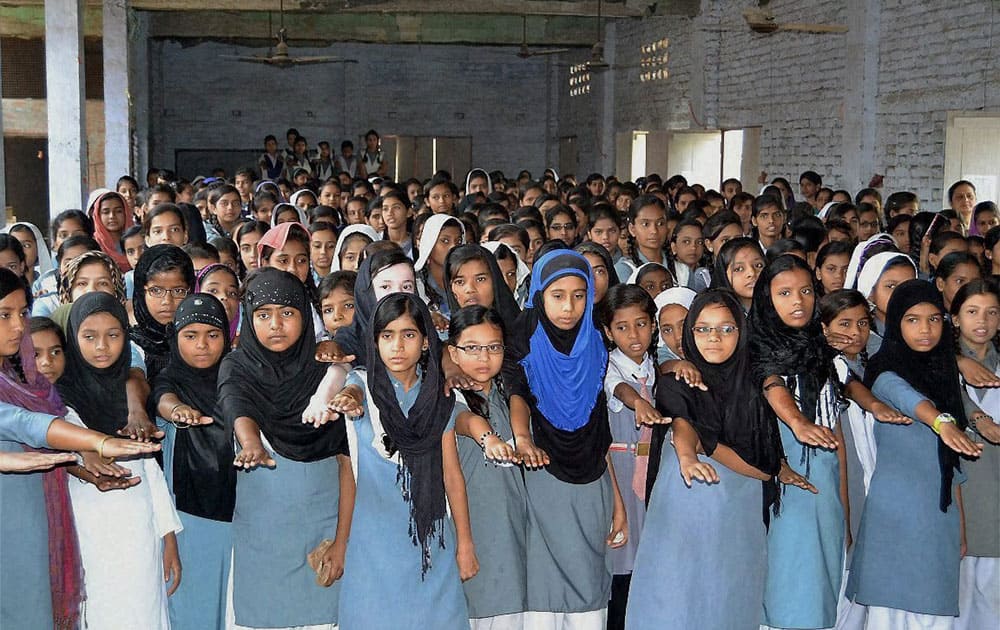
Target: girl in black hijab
point(198, 457)
point(792, 364)
point(910, 527)
point(136, 526)
point(556, 369)
point(472, 276)
point(163, 277)
point(298, 490)
point(727, 449)
point(407, 556)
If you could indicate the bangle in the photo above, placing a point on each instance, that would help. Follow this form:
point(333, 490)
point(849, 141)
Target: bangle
point(100, 450)
point(944, 418)
point(176, 407)
point(974, 423)
point(482, 440)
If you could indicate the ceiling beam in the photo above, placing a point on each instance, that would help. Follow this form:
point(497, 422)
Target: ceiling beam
point(567, 8)
point(578, 8)
point(313, 29)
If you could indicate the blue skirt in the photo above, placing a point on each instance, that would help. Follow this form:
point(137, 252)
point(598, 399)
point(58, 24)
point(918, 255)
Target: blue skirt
point(282, 514)
point(702, 560)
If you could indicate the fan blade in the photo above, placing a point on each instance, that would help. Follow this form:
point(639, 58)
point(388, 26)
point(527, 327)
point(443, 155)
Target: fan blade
point(813, 28)
point(549, 51)
point(249, 59)
point(308, 60)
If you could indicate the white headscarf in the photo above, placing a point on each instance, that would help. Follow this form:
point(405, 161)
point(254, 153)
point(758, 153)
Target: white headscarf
point(468, 178)
point(303, 218)
point(681, 296)
point(874, 268)
point(523, 273)
point(634, 276)
point(858, 256)
point(826, 210)
point(432, 229)
point(44, 257)
point(357, 228)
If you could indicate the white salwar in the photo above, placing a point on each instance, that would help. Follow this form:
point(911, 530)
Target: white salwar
point(880, 618)
point(978, 593)
point(979, 577)
point(121, 547)
point(590, 620)
point(513, 621)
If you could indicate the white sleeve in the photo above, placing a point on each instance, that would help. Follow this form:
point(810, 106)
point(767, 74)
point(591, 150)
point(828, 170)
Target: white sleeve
point(165, 517)
point(612, 379)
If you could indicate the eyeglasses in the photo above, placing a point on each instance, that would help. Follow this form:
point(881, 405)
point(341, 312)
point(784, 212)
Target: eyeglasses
point(562, 227)
point(493, 348)
point(177, 293)
point(725, 330)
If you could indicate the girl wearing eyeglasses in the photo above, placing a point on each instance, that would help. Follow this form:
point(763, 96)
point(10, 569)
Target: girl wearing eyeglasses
point(705, 529)
point(163, 278)
point(497, 596)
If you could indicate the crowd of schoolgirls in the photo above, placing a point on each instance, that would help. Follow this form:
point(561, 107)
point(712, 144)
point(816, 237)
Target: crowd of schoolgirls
point(500, 404)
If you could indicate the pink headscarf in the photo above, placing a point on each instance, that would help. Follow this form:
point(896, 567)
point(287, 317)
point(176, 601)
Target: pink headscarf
point(276, 237)
point(107, 242)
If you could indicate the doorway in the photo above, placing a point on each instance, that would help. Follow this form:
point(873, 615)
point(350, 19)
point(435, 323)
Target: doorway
point(27, 175)
point(970, 153)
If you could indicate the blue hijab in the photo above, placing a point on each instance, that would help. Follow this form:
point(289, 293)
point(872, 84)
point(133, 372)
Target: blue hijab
point(565, 368)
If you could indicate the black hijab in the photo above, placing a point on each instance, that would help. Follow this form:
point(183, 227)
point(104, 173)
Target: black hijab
point(416, 434)
point(724, 258)
point(503, 299)
point(560, 374)
point(353, 339)
point(732, 411)
point(934, 374)
point(203, 473)
point(195, 226)
point(152, 336)
point(97, 394)
point(778, 349)
point(274, 388)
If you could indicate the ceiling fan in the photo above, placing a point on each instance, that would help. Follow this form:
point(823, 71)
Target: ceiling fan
point(280, 57)
point(526, 52)
point(762, 21)
point(596, 61)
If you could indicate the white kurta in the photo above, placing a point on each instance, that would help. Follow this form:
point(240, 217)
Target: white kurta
point(121, 547)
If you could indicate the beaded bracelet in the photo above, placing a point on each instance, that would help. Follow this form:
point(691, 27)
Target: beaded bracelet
point(482, 440)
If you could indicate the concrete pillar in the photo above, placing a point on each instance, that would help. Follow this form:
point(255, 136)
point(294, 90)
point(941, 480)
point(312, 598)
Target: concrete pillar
point(117, 137)
point(605, 81)
point(138, 70)
point(64, 80)
point(3, 167)
point(861, 92)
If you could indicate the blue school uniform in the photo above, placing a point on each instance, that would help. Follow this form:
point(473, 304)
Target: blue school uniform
point(205, 547)
point(498, 513)
point(705, 566)
point(281, 515)
point(907, 553)
point(25, 590)
point(382, 587)
point(805, 541)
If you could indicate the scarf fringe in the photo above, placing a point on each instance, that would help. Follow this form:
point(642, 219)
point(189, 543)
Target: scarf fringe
point(423, 540)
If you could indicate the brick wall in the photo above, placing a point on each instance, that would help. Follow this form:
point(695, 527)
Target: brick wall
point(933, 58)
point(504, 103)
point(818, 106)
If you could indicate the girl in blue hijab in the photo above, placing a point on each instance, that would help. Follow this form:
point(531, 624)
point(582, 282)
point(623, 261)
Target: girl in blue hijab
point(555, 372)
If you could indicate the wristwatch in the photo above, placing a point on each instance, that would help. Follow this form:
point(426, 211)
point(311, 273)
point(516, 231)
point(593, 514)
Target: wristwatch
point(942, 419)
